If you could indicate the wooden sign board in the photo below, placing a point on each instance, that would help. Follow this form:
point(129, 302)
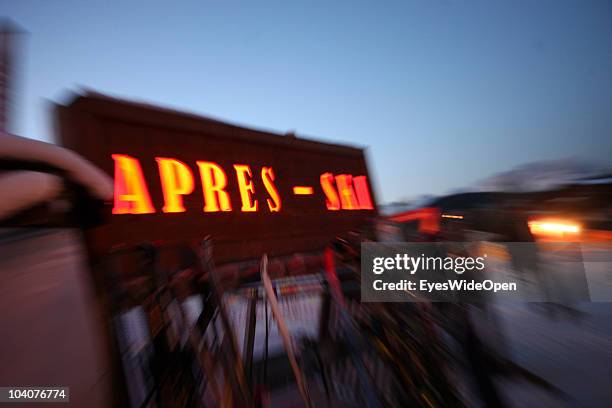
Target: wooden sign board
point(179, 177)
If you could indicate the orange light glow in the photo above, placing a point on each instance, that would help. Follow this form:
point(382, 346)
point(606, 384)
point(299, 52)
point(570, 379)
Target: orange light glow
point(428, 219)
point(245, 185)
point(363, 193)
point(302, 190)
point(348, 200)
point(274, 202)
point(553, 227)
point(214, 181)
point(458, 217)
point(131, 193)
point(176, 181)
point(332, 201)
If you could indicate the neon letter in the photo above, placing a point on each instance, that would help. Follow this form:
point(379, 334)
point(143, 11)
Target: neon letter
point(176, 181)
point(331, 196)
point(131, 193)
point(245, 185)
point(347, 194)
point(214, 181)
point(274, 202)
point(363, 193)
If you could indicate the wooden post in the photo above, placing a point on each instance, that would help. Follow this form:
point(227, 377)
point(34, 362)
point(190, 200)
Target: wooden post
point(283, 330)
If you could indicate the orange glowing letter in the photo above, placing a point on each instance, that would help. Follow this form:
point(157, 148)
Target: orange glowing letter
point(363, 193)
point(331, 196)
point(214, 181)
point(348, 200)
point(176, 181)
point(131, 193)
point(274, 202)
point(245, 185)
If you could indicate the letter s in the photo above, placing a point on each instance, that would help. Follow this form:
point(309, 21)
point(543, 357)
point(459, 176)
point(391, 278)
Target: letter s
point(274, 202)
point(332, 199)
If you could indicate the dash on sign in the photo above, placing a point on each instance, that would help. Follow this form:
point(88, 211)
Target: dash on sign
point(301, 190)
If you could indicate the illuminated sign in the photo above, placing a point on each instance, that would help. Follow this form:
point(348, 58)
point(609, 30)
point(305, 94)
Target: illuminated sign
point(179, 177)
point(342, 191)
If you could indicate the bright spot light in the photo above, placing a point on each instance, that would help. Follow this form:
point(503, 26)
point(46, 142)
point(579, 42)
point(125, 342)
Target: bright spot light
point(553, 227)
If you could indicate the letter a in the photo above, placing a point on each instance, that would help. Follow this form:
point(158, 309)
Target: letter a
point(131, 193)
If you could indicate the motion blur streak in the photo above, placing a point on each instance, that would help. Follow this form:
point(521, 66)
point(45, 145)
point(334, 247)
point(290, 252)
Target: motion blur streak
point(553, 227)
